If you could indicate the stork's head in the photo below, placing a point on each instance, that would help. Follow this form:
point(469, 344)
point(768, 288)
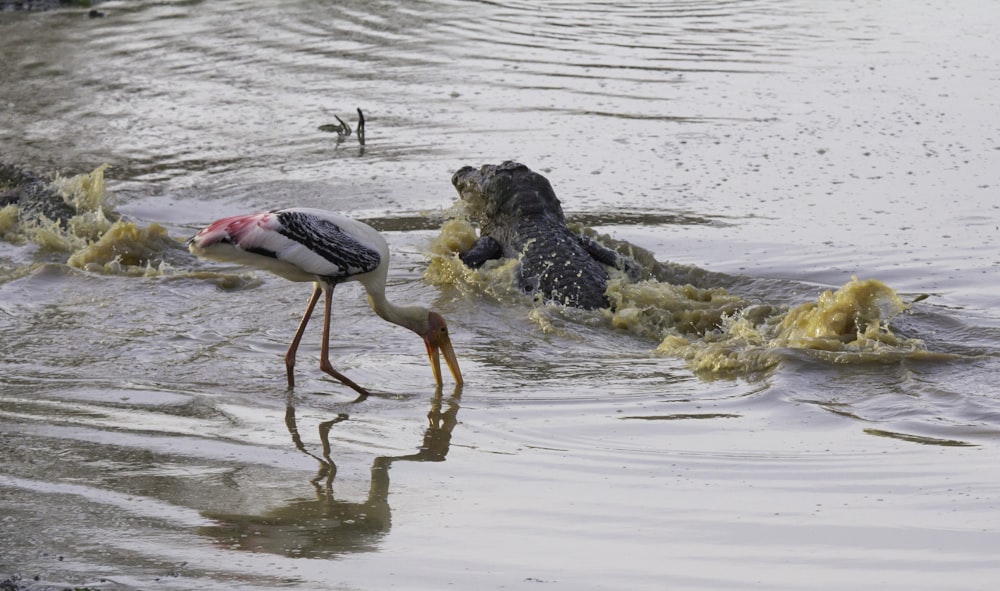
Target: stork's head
point(438, 342)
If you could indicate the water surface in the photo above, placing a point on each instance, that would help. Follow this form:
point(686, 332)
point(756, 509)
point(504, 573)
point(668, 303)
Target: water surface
point(782, 147)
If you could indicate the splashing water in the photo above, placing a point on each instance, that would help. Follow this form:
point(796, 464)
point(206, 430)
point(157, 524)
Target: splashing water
point(849, 325)
point(718, 333)
point(63, 216)
point(95, 236)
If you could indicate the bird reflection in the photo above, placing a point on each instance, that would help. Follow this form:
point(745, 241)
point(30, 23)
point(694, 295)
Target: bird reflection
point(324, 526)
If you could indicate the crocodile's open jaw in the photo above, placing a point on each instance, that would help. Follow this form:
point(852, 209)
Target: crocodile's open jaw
point(508, 189)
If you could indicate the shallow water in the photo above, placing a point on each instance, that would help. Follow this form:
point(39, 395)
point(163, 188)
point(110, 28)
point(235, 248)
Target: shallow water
point(770, 149)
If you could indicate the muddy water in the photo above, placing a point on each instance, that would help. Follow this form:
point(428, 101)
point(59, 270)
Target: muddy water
point(763, 152)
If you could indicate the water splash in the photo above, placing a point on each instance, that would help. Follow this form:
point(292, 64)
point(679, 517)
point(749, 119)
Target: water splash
point(496, 277)
point(76, 216)
point(61, 216)
point(720, 334)
point(848, 325)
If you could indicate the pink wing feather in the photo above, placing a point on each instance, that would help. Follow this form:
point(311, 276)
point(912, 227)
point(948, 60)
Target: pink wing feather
point(238, 229)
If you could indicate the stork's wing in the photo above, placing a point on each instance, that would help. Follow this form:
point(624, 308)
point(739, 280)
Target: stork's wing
point(320, 246)
point(298, 245)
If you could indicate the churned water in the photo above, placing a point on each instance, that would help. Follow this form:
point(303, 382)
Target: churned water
point(801, 395)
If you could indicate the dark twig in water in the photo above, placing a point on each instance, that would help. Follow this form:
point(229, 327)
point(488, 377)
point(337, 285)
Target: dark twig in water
point(343, 130)
point(361, 127)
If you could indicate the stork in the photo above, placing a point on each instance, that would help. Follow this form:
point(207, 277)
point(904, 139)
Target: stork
point(326, 248)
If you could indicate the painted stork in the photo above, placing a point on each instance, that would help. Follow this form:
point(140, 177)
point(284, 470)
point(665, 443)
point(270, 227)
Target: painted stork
point(302, 244)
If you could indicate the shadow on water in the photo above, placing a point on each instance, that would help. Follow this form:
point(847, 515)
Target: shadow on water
point(325, 525)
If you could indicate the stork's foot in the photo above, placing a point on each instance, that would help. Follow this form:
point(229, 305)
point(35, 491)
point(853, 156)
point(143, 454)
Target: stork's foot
point(326, 367)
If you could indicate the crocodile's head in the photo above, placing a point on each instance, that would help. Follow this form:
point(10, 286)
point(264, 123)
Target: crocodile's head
point(499, 194)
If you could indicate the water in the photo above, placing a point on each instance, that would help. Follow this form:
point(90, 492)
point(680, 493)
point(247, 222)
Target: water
point(147, 438)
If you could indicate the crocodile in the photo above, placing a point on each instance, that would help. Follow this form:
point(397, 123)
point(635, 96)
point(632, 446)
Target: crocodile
point(35, 197)
point(520, 217)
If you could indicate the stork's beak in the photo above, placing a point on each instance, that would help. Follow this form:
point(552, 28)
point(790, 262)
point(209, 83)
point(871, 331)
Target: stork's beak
point(443, 345)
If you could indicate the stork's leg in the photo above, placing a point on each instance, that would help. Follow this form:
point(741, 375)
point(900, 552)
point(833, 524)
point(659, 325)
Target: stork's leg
point(324, 359)
point(294, 347)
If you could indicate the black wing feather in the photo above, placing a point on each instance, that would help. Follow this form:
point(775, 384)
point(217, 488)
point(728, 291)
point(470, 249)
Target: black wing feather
point(328, 240)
